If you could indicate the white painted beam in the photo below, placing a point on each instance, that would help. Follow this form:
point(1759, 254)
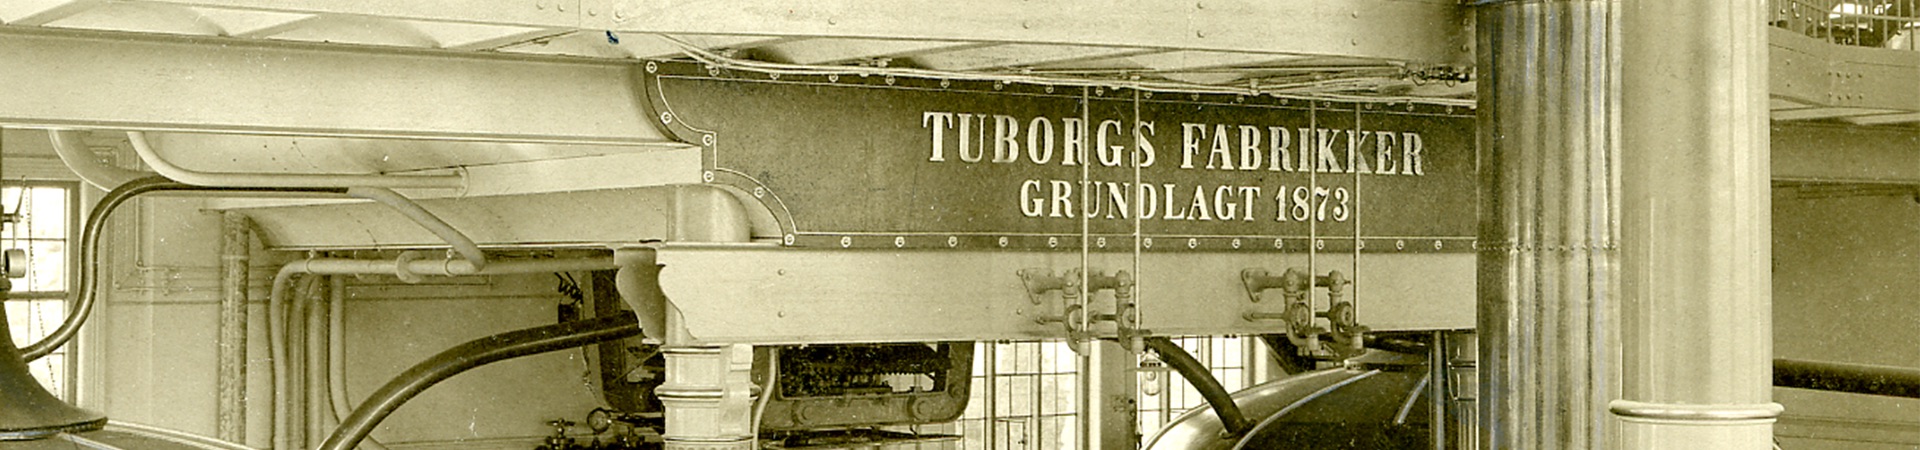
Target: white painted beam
point(155, 83)
point(1426, 31)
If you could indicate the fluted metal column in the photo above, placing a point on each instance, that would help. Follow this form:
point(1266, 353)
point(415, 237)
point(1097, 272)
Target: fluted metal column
point(1548, 89)
point(1696, 314)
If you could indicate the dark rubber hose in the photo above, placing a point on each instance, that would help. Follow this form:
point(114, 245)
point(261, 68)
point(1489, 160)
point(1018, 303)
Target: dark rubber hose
point(1844, 377)
point(476, 353)
point(86, 293)
point(1230, 416)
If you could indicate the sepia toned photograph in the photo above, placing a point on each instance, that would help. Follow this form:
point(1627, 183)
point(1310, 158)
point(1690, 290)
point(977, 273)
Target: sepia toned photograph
point(978, 225)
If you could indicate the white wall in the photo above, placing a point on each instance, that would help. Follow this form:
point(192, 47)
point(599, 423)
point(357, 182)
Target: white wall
point(152, 353)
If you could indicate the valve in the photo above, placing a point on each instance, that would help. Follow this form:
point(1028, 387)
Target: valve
point(1072, 309)
point(1343, 326)
point(559, 440)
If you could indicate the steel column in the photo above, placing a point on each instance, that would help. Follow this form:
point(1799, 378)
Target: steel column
point(1695, 313)
point(236, 234)
point(1548, 146)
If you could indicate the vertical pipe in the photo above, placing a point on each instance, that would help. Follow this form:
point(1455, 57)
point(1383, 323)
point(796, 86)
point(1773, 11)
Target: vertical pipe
point(1696, 309)
point(990, 358)
point(236, 238)
point(1548, 146)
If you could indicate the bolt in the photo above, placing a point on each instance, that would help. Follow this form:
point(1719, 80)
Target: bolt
point(1026, 24)
point(1200, 33)
point(562, 7)
point(593, 11)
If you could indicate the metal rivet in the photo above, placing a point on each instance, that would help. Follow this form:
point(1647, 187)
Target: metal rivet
point(1053, 242)
point(1102, 242)
point(1359, 244)
point(562, 6)
point(1193, 242)
point(1147, 242)
point(953, 241)
point(1026, 24)
point(946, 83)
point(666, 117)
point(1400, 244)
point(593, 12)
point(788, 239)
point(889, 80)
point(1049, 89)
point(1320, 244)
point(1236, 243)
point(1003, 241)
point(759, 192)
point(1279, 243)
point(1148, 94)
point(773, 76)
point(846, 241)
point(1200, 33)
point(707, 176)
point(899, 241)
point(833, 78)
point(706, 139)
point(1437, 244)
point(833, 21)
point(652, 67)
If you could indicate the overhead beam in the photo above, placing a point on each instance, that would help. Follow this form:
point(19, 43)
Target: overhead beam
point(1424, 31)
point(1845, 154)
point(80, 79)
point(1816, 73)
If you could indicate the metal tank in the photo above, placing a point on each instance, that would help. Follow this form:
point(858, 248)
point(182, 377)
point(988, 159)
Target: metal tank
point(1379, 400)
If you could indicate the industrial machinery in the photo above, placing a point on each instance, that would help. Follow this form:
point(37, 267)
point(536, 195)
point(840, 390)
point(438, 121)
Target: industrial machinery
point(641, 224)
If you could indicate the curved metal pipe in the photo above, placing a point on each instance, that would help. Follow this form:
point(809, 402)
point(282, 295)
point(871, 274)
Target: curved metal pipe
point(86, 293)
point(1217, 396)
point(286, 180)
point(70, 146)
point(338, 398)
point(407, 207)
point(473, 354)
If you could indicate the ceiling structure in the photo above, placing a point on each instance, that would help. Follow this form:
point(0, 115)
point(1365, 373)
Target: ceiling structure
point(1382, 50)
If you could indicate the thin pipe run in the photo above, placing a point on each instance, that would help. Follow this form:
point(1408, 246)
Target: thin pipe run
point(473, 354)
point(284, 180)
point(87, 292)
point(407, 207)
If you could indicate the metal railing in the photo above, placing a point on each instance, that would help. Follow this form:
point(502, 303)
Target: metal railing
point(1863, 23)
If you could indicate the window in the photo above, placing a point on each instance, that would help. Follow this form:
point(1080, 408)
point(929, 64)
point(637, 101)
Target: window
point(1024, 393)
point(37, 303)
